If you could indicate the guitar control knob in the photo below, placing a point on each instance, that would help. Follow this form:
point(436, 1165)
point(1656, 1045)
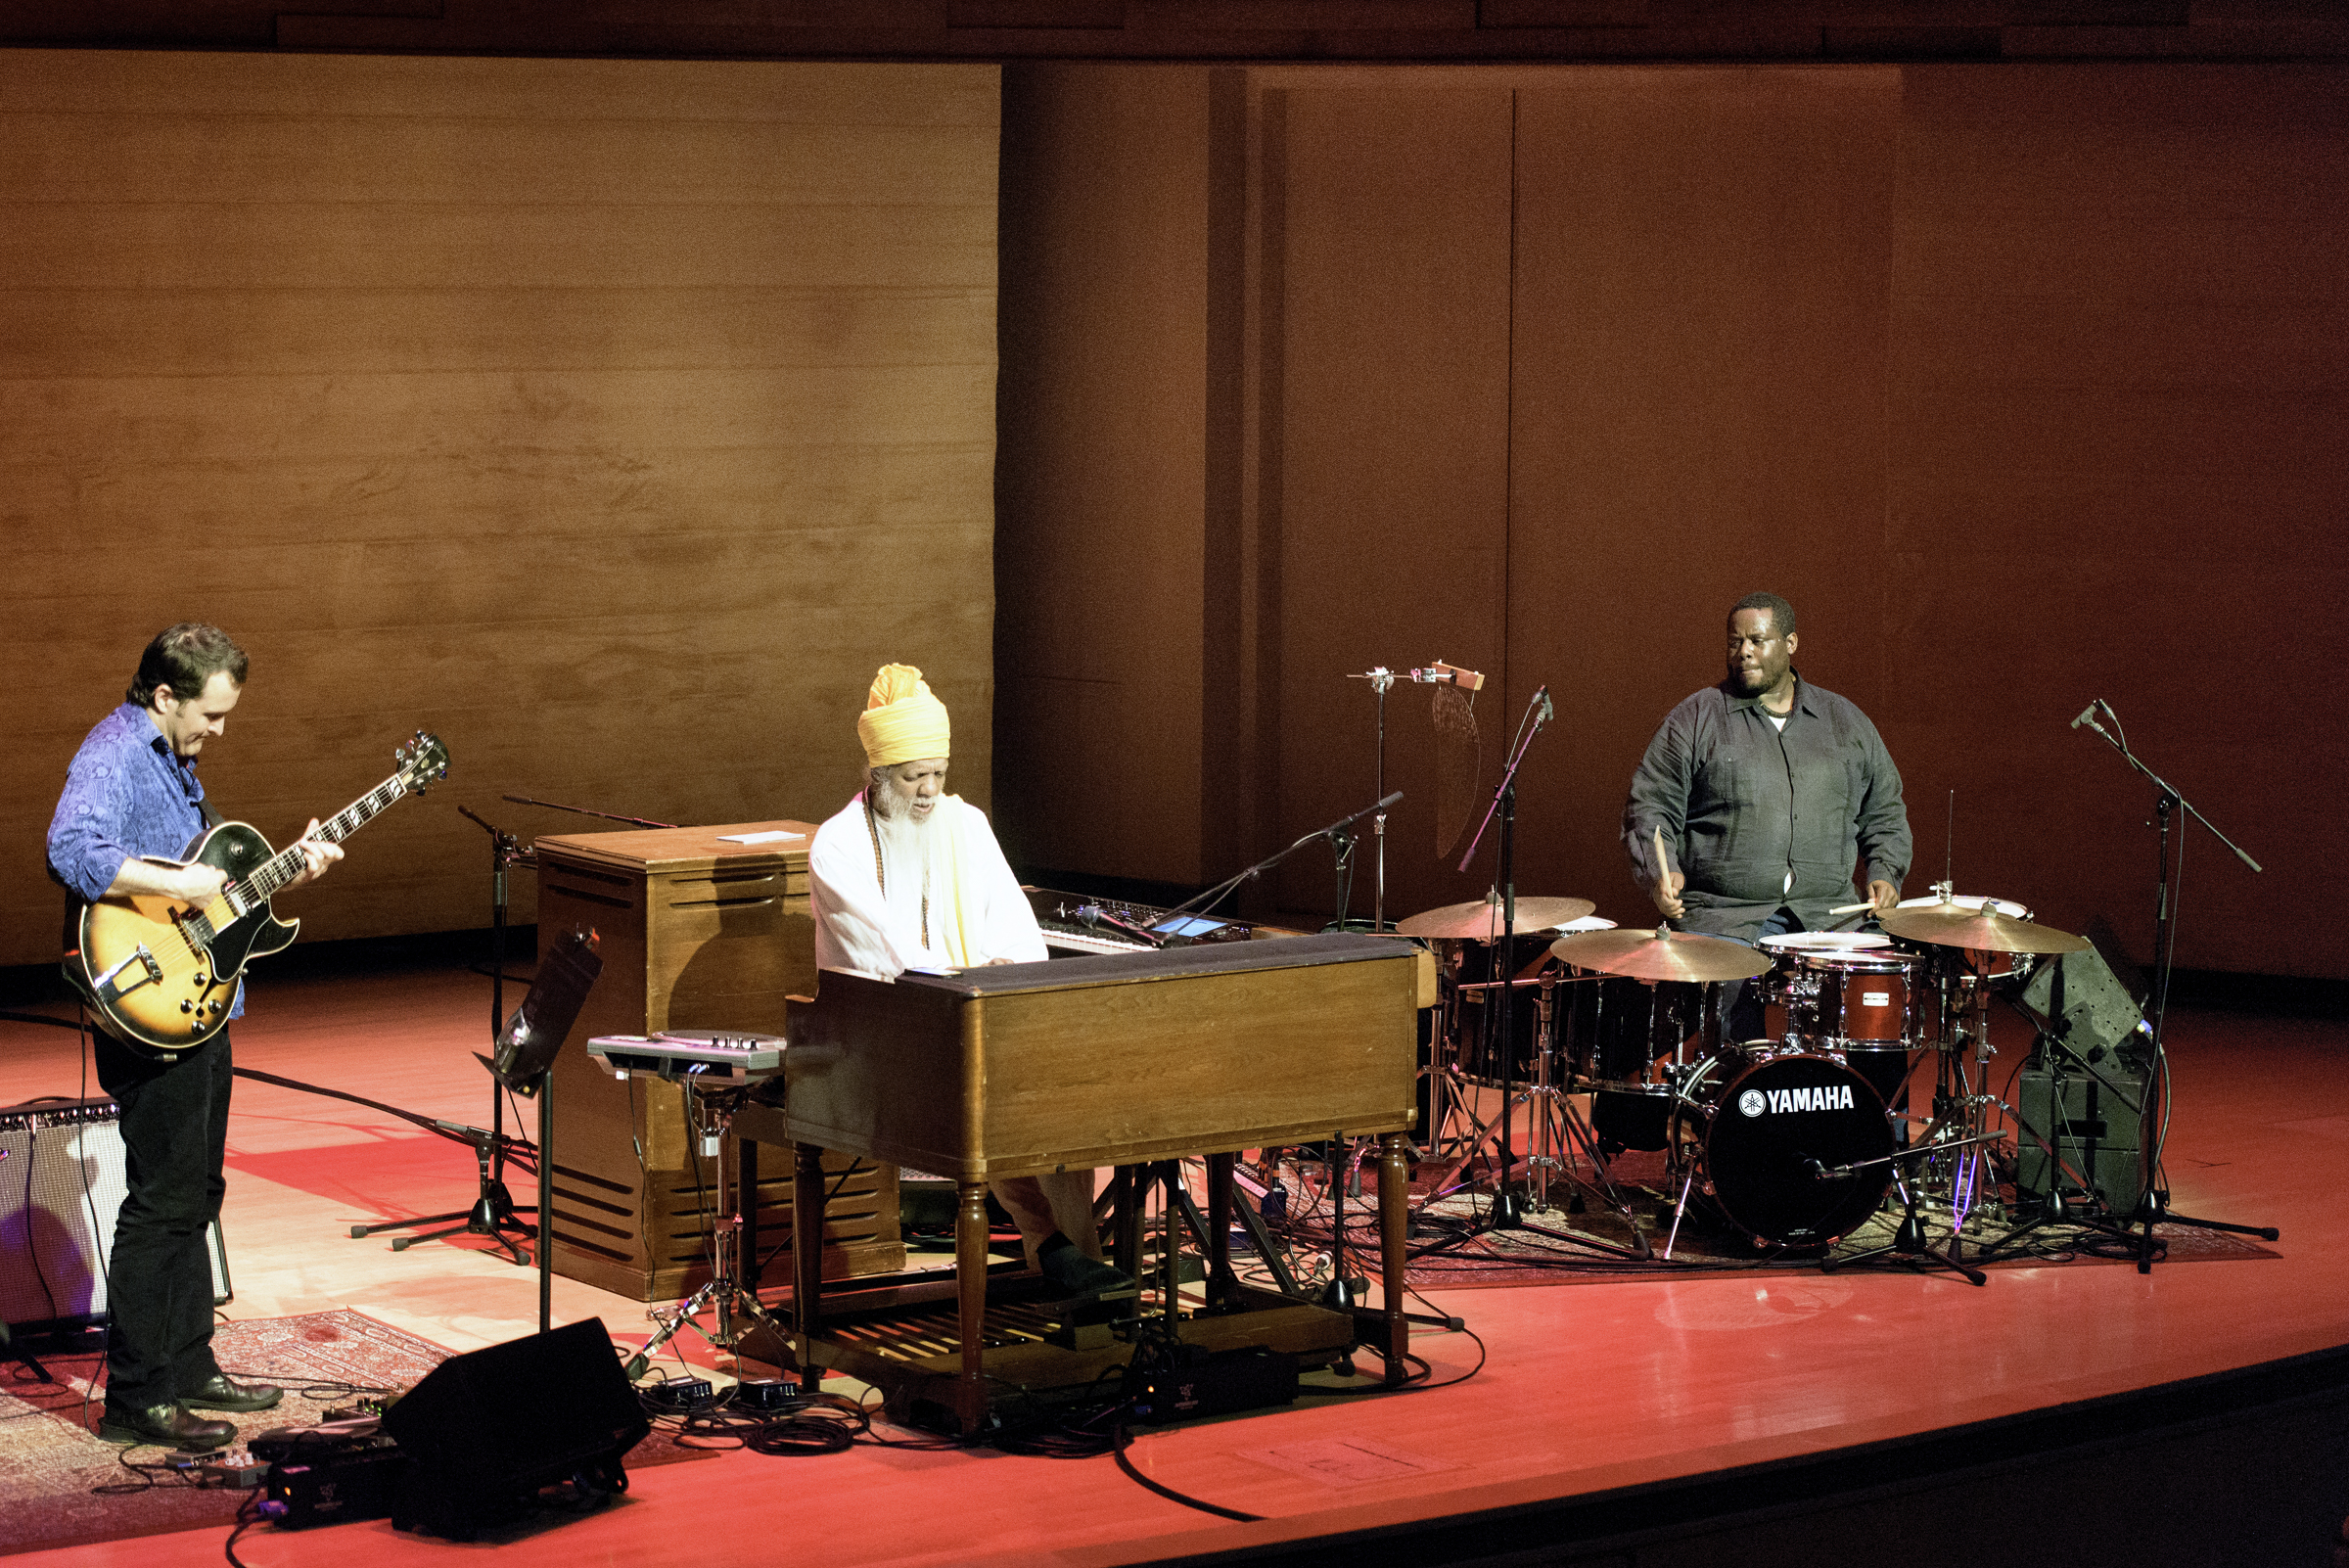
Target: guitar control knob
point(201, 980)
point(187, 1007)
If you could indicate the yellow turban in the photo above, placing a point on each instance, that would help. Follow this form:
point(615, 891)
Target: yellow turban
point(902, 721)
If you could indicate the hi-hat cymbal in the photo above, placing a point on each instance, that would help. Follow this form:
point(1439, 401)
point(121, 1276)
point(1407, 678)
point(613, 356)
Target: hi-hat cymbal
point(1479, 919)
point(1646, 954)
point(1954, 925)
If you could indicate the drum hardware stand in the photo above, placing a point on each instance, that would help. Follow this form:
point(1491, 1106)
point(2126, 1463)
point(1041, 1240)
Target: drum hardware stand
point(1555, 1128)
point(725, 1291)
point(2154, 1200)
point(1548, 1111)
point(1909, 1243)
point(494, 1214)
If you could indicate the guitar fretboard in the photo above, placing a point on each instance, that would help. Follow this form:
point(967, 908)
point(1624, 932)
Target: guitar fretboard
point(278, 872)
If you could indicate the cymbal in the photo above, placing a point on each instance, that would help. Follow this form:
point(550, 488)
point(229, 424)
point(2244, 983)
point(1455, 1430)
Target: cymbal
point(1646, 954)
point(1954, 925)
point(1479, 920)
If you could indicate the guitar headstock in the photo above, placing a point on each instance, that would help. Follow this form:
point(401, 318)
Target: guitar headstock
point(422, 762)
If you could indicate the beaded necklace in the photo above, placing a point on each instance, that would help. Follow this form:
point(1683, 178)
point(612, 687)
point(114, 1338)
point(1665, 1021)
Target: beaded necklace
point(881, 876)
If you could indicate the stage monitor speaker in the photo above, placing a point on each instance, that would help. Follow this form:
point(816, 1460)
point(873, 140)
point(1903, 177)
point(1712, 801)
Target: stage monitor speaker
point(2078, 1000)
point(2093, 1130)
point(61, 1185)
point(484, 1430)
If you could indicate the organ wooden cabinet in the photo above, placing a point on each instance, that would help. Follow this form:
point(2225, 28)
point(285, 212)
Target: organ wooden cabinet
point(697, 931)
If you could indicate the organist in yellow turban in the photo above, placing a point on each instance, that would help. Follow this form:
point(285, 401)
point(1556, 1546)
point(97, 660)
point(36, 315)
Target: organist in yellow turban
point(907, 877)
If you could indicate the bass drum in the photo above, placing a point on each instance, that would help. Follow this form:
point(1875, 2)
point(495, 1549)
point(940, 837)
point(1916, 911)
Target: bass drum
point(1759, 1131)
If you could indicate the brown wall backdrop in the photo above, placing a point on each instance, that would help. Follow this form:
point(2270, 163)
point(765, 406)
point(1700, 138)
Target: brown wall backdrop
point(2025, 383)
point(614, 420)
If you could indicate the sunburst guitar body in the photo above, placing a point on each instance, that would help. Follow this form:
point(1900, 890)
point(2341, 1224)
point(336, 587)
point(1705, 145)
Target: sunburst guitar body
point(163, 973)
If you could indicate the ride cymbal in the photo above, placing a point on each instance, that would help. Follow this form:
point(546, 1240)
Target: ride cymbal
point(1479, 920)
point(1646, 954)
point(1952, 925)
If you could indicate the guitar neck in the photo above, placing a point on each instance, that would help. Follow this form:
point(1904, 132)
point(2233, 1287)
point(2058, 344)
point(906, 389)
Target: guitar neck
point(279, 869)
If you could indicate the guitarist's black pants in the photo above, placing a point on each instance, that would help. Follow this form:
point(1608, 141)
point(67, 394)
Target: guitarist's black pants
point(159, 1274)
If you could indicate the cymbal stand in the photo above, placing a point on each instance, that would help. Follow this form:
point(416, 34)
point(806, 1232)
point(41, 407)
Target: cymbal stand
point(2153, 1201)
point(726, 1294)
point(1962, 1102)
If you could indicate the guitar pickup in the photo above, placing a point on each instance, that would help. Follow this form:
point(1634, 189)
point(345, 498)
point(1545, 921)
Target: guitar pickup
point(108, 985)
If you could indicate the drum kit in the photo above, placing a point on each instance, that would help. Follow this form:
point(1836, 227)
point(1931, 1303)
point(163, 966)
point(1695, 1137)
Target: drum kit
point(1794, 1140)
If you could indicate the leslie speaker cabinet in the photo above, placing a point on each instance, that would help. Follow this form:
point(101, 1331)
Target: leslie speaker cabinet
point(699, 930)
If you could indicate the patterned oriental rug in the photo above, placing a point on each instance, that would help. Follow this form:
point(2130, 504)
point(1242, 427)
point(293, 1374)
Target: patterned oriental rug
point(1559, 1246)
point(61, 1486)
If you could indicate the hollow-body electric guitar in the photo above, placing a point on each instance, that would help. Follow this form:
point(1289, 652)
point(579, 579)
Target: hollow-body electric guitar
point(164, 972)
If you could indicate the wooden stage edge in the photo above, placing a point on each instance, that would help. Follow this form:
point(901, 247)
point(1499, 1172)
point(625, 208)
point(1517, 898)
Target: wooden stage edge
point(2246, 1466)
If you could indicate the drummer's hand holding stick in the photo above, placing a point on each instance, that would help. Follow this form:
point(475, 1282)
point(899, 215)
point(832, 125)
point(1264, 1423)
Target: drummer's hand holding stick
point(1666, 889)
point(1882, 899)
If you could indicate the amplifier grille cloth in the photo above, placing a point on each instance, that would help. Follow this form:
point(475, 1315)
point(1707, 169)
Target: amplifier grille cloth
point(60, 1183)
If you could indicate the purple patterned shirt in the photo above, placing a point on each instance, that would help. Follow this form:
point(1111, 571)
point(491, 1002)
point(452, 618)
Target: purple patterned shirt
point(126, 795)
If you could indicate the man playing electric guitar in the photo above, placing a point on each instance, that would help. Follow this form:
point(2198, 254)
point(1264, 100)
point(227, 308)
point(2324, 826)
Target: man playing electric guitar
point(132, 800)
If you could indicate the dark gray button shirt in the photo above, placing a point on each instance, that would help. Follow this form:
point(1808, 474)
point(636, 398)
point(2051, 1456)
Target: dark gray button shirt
point(1742, 803)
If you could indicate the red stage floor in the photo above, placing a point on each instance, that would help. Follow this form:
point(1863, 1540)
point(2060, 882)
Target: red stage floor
point(1587, 1387)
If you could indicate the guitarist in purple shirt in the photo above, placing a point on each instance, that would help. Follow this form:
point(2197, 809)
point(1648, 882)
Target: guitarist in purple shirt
point(132, 800)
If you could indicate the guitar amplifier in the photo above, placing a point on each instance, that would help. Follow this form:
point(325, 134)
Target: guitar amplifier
point(60, 1183)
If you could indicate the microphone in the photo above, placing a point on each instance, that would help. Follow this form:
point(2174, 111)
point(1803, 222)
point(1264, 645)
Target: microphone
point(1549, 709)
point(2088, 714)
point(1093, 915)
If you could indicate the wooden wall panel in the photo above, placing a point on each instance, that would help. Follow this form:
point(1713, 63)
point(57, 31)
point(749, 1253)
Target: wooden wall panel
point(616, 420)
point(2119, 469)
point(1391, 482)
point(2024, 383)
point(1102, 485)
point(1698, 411)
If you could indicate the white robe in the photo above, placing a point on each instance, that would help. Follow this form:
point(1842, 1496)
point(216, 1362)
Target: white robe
point(975, 914)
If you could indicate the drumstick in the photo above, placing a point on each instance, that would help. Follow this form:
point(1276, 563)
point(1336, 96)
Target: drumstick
point(1851, 908)
point(1663, 866)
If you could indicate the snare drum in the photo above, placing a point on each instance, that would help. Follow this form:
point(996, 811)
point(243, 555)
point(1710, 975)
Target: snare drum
point(1763, 1134)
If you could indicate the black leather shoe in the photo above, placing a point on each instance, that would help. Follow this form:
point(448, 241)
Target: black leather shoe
point(225, 1393)
point(164, 1425)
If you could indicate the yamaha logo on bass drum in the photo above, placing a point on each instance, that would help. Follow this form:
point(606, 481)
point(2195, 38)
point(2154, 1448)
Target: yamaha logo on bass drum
point(1778, 1102)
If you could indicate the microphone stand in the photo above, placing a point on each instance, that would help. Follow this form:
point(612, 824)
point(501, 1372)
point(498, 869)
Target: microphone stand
point(1338, 832)
point(579, 810)
point(1340, 1292)
point(494, 1214)
point(2152, 1203)
point(1509, 1212)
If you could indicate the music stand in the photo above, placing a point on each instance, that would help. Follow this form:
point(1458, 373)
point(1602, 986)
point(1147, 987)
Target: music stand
point(526, 1048)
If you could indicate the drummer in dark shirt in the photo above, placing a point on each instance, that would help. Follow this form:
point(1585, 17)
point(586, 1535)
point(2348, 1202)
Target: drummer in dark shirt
point(1762, 793)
